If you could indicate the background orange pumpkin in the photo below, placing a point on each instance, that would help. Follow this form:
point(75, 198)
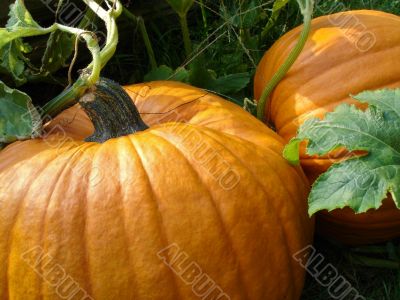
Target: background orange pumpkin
point(103, 212)
point(346, 53)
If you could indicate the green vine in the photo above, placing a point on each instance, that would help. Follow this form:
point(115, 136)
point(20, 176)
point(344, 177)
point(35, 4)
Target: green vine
point(182, 7)
point(186, 36)
point(145, 36)
point(100, 57)
point(306, 7)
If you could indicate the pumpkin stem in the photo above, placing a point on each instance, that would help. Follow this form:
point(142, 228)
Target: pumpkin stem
point(306, 7)
point(111, 111)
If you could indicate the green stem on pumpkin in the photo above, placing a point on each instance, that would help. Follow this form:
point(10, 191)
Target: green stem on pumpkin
point(306, 7)
point(145, 36)
point(186, 36)
point(147, 43)
point(111, 111)
point(92, 73)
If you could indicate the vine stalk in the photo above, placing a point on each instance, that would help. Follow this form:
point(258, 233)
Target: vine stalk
point(186, 35)
point(145, 36)
point(306, 7)
point(100, 57)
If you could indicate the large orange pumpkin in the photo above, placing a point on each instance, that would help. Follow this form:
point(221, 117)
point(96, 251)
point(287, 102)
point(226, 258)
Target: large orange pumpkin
point(346, 53)
point(201, 203)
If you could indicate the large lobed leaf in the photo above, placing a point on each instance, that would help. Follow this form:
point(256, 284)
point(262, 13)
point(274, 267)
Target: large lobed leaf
point(359, 182)
point(12, 60)
point(20, 23)
point(13, 50)
point(18, 117)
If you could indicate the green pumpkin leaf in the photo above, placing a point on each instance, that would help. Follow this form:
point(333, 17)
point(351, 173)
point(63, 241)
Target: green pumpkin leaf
point(229, 84)
point(164, 72)
point(160, 73)
point(181, 7)
point(19, 119)
point(12, 48)
point(19, 16)
point(276, 11)
point(202, 77)
point(362, 182)
point(20, 24)
point(12, 60)
point(60, 46)
point(250, 15)
point(292, 151)
point(199, 75)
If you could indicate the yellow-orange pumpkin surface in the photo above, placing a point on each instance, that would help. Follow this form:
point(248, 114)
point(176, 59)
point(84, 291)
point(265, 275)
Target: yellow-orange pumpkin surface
point(346, 53)
point(204, 189)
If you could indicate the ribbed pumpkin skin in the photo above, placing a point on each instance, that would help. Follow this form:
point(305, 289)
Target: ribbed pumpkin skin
point(330, 69)
point(104, 211)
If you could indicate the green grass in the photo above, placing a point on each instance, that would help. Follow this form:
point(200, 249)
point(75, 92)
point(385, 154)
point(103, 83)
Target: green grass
point(384, 5)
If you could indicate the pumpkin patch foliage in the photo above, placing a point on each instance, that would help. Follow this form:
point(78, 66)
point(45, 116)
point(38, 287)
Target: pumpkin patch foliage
point(359, 182)
point(19, 119)
point(143, 157)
